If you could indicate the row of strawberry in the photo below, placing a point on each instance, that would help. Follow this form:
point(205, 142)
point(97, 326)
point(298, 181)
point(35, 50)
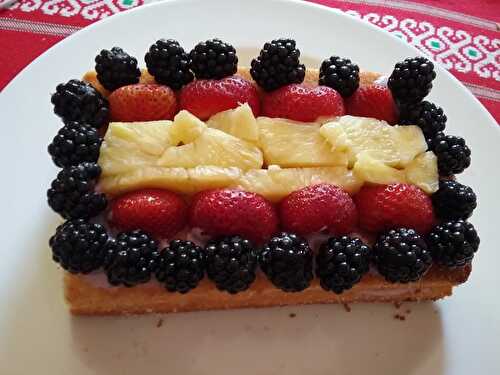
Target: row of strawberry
point(278, 72)
point(402, 215)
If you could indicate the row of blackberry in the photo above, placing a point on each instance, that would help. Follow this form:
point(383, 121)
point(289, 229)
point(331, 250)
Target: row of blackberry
point(400, 255)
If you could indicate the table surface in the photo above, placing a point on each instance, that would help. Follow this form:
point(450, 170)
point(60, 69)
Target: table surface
point(464, 37)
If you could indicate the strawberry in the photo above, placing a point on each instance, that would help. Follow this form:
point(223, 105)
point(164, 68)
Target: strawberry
point(234, 212)
point(206, 97)
point(316, 207)
point(161, 213)
point(393, 206)
point(373, 101)
point(143, 102)
point(303, 103)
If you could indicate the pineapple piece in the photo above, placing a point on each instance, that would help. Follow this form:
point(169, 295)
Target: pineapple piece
point(276, 183)
point(180, 180)
point(186, 128)
point(172, 179)
point(423, 172)
point(294, 144)
point(213, 147)
point(372, 170)
point(395, 146)
point(239, 122)
point(210, 177)
point(128, 146)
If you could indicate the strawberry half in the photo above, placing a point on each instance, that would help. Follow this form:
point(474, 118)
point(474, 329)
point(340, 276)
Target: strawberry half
point(142, 102)
point(373, 101)
point(318, 207)
point(303, 103)
point(206, 97)
point(160, 213)
point(393, 206)
point(234, 212)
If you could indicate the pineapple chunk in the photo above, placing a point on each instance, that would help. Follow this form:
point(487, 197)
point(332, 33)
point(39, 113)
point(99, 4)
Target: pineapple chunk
point(276, 183)
point(172, 179)
point(210, 177)
point(128, 146)
point(213, 147)
point(423, 172)
point(239, 122)
point(180, 180)
point(186, 128)
point(369, 169)
point(395, 146)
point(293, 144)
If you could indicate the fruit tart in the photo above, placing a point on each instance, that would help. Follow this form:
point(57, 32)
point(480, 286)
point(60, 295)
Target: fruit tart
point(195, 184)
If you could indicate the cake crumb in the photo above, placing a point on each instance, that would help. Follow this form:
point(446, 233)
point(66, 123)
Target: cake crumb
point(292, 315)
point(346, 307)
point(397, 305)
point(399, 317)
point(159, 323)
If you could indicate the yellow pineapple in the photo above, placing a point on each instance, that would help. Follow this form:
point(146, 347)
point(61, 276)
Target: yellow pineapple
point(372, 170)
point(395, 146)
point(128, 146)
point(180, 180)
point(239, 122)
point(276, 183)
point(423, 172)
point(292, 144)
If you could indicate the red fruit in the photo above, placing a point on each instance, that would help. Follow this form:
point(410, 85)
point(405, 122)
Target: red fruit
point(231, 212)
point(394, 206)
point(303, 103)
point(373, 101)
point(316, 207)
point(206, 97)
point(143, 102)
point(160, 213)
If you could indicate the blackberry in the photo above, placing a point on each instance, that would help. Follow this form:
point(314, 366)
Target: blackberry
point(231, 263)
point(79, 101)
point(75, 143)
point(339, 74)
point(169, 63)
point(341, 262)
point(277, 65)
point(181, 266)
point(287, 262)
point(131, 259)
point(79, 246)
point(71, 193)
point(401, 255)
point(116, 68)
point(452, 153)
point(213, 59)
point(453, 243)
point(453, 200)
point(411, 79)
point(430, 118)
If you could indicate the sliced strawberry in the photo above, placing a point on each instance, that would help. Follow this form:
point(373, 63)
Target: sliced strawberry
point(373, 101)
point(161, 213)
point(303, 103)
point(142, 102)
point(318, 207)
point(206, 97)
point(234, 212)
point(393, 206)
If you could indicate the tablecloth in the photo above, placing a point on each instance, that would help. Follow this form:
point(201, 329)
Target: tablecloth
point(462, 36)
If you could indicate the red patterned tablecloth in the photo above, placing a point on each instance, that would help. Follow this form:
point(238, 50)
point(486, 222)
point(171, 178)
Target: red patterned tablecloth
point(463, 36)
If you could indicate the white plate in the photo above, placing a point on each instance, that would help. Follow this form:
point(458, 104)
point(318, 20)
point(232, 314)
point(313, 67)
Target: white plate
point(38, 336)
